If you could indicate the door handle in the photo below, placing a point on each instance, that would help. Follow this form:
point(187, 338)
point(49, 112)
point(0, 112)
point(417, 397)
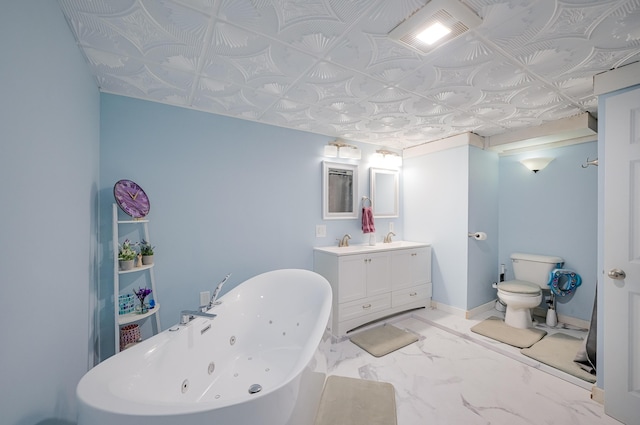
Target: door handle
point(617, 274)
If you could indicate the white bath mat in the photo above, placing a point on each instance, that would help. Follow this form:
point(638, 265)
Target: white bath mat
point(495, 328)
point(383, 340)
point(350, 401)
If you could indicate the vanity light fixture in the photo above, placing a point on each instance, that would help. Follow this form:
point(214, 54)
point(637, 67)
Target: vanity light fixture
point(388, 157)
point(339, 149)
point(536, 164)
point(437, 23)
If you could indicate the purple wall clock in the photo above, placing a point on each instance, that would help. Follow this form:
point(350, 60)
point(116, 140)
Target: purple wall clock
point(131, 198)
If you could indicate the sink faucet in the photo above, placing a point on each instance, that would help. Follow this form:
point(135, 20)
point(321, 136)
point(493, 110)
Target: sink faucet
point(188, 315)
point(388, 238)
point(345, 240)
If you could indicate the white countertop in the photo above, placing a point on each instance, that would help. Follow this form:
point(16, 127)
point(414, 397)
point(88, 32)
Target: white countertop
point(366, 248)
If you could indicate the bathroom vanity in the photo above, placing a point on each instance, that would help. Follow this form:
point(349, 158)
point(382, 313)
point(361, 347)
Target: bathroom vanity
point(372, 282)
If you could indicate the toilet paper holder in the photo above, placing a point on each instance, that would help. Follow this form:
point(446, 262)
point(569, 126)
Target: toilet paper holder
point(479, 236)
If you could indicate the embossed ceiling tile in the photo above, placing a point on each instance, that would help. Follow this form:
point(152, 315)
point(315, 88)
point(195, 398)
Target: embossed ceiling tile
point(513, 29)
point(601, 60)
point(620, 28)
point(273, 63)
point(231, 40)
point(467, 50)
point(421, 80)
point(172, 79)
point(108, 83)
point(206, 6)
point(96, 7)
point(183, 23)
point(337, 118)
point(576, 86)
point(375, 55)
point(233, 99)
point(106, 63)
point(553, 58)
point(574, 19)
point(388, 14)
point(428, 108)
point(493, 113)
point(179, 57)
point(349, 89)
point(501, 75)
point(139, 28)
point(454, 76)
point(456, 96)
point(559, 112)
point(494, 12)
point(520, 122)
point(94, 33)
point(462, 121)
point(536, 96)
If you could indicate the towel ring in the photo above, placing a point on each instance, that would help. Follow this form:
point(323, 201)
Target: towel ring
point(364, 199)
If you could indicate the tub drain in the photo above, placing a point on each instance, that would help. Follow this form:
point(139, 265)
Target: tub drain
point(255, 388)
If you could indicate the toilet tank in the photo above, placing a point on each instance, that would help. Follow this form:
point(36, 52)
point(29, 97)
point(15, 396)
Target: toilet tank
point(534, 268)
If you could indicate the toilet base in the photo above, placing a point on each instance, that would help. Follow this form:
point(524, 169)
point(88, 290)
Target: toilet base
point(518, 318)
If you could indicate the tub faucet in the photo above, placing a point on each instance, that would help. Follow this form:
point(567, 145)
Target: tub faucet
point(216, 292)
point(188, 315)
point(388, 238)
point(345, 240)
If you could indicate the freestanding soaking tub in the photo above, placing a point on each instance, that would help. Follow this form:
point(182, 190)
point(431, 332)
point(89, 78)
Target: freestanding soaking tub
point(257, 362)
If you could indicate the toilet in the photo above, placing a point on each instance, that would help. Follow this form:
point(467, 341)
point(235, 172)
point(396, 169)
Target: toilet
point(525, 292)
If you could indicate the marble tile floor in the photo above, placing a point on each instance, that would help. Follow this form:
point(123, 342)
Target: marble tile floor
point(454, 376)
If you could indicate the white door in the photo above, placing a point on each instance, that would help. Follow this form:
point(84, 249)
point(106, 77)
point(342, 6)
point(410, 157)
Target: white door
point(622, 257)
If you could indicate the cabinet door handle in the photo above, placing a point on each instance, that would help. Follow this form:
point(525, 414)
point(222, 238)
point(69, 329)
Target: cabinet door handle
point(413, 254)
point(413, 294)
point(366, 306)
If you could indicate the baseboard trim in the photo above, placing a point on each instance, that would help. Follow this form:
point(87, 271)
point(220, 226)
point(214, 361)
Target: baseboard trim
point(463, 313)
point(597, 394)
point(480, 309)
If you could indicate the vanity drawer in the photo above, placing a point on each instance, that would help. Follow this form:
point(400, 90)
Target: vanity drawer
point(409, 295)
point(364, 306)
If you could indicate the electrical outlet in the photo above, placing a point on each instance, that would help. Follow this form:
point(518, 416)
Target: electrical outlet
point(321, 231)
point(391, 226)
point(205, 296)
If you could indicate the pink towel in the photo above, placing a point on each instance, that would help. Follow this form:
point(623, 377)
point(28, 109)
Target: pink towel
point(367, 220)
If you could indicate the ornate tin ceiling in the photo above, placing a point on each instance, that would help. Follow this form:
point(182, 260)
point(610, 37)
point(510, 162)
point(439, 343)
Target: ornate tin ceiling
point(328, 67)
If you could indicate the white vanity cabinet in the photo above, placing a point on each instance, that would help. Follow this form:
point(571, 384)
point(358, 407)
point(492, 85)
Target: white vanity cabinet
point(371, 282)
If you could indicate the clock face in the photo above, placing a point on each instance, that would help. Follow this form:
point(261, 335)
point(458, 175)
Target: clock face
point(131, 198)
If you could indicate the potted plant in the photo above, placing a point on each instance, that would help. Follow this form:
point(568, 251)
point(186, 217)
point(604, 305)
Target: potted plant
point(126, 255)
point(147, 252)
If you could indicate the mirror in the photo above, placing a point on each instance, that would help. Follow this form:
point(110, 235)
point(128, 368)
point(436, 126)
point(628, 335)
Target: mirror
point(339, 186)
point(384, 192)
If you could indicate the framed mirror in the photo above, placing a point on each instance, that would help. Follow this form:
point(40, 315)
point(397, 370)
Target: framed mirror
point(384, 192)
point(339, 188)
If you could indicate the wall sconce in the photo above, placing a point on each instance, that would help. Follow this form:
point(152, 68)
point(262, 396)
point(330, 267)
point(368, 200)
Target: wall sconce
point(536, 164)
point(342, 150)
point(387, 157)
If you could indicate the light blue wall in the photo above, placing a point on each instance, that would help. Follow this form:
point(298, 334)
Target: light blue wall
point(554, 212)
point(226, 196)
point(49, 146)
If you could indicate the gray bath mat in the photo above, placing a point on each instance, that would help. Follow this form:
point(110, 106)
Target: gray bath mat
point(494, 328)
point(383, 340)
point(350, 401)
point(559, 350)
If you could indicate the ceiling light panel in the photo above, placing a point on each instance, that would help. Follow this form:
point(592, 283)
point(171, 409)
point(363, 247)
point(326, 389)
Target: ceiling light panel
point(447, 14)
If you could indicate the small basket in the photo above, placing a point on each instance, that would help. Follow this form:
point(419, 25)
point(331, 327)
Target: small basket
point(129, 334)
point(126, 303)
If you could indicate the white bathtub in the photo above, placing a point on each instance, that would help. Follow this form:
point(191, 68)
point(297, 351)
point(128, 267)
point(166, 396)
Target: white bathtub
point(266, 332)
